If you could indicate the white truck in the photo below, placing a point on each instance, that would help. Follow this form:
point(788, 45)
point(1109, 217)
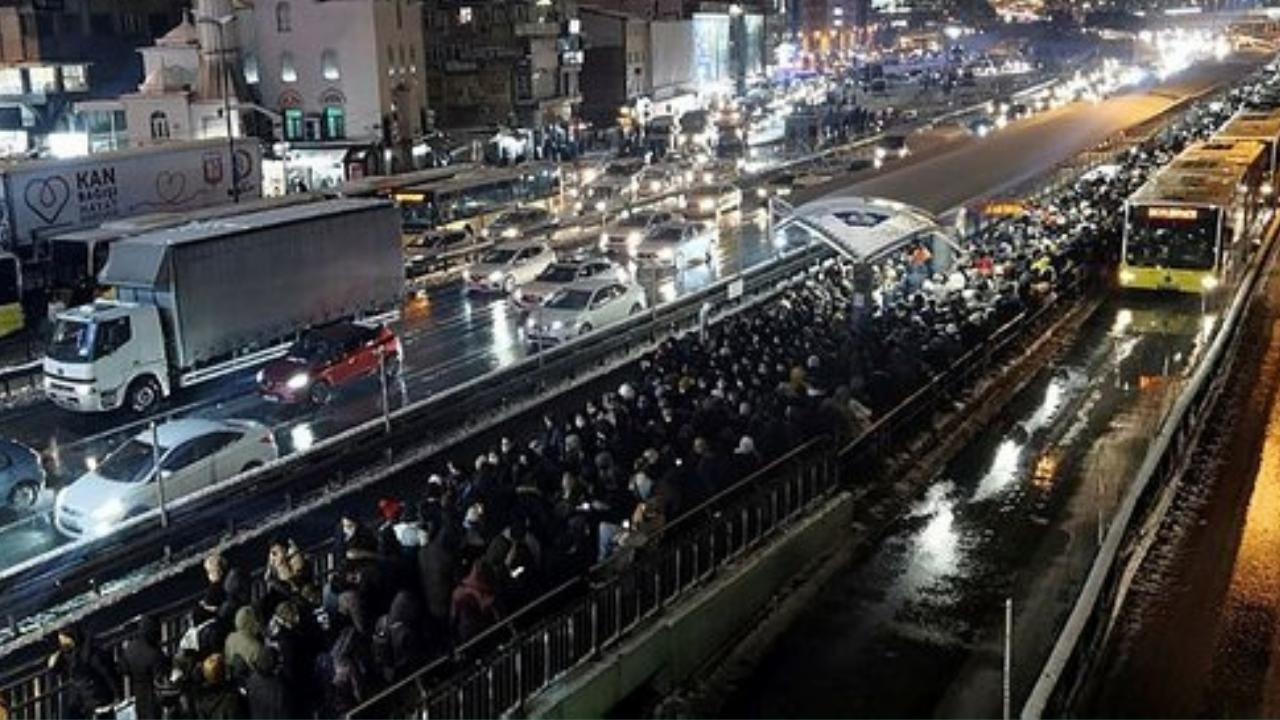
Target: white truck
point(206, 299)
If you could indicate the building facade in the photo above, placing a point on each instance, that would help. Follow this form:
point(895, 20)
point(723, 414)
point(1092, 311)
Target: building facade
point(56, 52)
point(617, 66)
point(513, 63)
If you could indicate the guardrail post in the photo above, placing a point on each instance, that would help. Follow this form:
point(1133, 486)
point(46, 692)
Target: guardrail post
point(595, 627)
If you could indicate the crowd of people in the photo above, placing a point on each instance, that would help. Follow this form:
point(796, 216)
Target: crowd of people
point(702, 411)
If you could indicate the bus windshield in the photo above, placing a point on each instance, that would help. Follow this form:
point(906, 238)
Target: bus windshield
point(1175, 242)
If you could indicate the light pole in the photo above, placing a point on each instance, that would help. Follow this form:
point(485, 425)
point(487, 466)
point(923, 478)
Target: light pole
point(221, 24)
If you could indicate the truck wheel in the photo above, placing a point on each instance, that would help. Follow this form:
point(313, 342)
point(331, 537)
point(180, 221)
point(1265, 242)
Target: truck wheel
point(143, 395)
point(635, 309)
point(24, 495)
point(584, 328)
point(321, 393)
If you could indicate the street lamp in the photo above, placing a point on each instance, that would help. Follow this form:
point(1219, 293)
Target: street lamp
point(221, 23)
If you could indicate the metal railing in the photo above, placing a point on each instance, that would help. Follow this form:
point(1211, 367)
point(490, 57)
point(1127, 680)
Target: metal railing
point(501, 669)
point(382, 450)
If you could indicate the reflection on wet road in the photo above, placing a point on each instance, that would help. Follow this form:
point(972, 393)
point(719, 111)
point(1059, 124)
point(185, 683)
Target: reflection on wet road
point(913, 627)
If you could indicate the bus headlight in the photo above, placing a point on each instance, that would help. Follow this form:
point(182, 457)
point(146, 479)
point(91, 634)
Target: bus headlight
point(1209, 282)
point(1127, 277)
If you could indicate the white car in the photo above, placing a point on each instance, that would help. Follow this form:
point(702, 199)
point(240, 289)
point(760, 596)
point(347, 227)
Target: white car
point(656, 180)
point(562, 273)
point(675, 245)
point(627, 232)
point(505, 266)
point(712, 200)
point(581, 307)
point(193, 454)
point(521, 222)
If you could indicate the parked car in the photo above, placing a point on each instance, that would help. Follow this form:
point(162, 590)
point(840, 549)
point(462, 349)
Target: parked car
point(982, 126)
point(193, 454)
point(626, 232)
point(522, 222)
point(711, 200)
point(22, 475)
point(504, 267)
point(892, 146)
point(581, 307)
point(675, 245)
point(559, 274)
point(326, 358)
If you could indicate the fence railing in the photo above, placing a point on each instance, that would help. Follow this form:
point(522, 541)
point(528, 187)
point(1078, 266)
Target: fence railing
point(1085, 633)
point(500, 670)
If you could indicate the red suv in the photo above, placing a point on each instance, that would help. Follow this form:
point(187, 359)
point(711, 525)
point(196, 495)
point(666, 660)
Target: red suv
point(327, 357)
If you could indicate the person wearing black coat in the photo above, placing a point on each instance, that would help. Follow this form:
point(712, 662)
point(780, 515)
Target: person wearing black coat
point(437, 574)
point(87, 680)
point(266, 692)
point(142, 661)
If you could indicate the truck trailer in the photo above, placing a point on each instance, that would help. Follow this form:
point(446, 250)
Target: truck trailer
point(41, 198)
point(206, 299)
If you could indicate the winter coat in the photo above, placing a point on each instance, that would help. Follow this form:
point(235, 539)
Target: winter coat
point(266, 692)
point(436, 574)
point(141, 660)
point(244, 645)
point(474, 606)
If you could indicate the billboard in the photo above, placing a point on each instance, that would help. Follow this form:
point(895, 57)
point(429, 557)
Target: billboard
point(45, 197)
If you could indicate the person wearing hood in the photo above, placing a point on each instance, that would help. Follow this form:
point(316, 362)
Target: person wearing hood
point(397, 639)
point(265, 691)
point(243, 646)
point(474, 603)
point(746, 460)
point(142, 661)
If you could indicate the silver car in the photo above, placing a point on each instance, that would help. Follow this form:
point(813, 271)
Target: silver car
point(581, 307)
point(193, 454)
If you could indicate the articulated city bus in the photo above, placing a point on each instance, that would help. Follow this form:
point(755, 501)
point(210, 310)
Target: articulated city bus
point(12, 317)
point(1259, 126)
point(472, 199)
point(1190, 228)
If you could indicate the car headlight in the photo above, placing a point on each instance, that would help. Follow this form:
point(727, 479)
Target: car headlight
point(110, 511)
point(557, 325)
point(495, 276)
point(600, 206)
point(466, 274)
point(298, 381)
point(510, 232)
point(1208, 282)
point(666, 253)
point(706, 204)
point(762, 193)
point(880, 153)
point(784, 191)
point(634, 237)
point(531, 323)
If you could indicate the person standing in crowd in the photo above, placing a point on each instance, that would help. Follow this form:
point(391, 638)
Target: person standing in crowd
point(142, 661)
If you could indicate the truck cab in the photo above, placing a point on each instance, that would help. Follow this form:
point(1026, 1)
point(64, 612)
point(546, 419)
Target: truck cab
point(105, 356)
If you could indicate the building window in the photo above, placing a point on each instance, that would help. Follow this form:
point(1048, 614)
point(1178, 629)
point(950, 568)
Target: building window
point(335, 123)
point(251, 74)
point(284, 17)
point(288, 71)
point(293, 125)
point(75, 78)
point(159, 125)
point(464, 15)
point(329, 65)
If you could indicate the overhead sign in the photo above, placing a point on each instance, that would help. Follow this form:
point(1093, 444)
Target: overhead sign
point(1003, 208)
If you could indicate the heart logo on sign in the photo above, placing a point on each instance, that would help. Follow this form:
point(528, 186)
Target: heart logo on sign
point(47, 197)
point(170, 186)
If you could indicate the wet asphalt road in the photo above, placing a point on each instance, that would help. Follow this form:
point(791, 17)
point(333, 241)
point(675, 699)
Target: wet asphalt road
point(453, 338)
point(1199, 634)
point(913, 627)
